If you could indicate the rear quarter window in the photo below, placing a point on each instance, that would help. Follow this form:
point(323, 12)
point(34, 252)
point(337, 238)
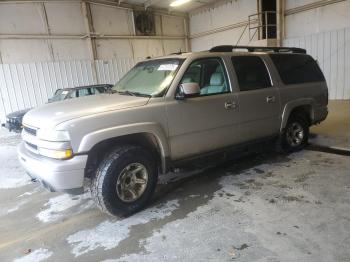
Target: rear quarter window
point(297, 68)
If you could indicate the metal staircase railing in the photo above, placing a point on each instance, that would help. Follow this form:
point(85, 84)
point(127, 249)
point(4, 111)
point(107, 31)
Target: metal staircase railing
point(263, 24)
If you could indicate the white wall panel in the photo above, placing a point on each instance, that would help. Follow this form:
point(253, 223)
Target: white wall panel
point(228, 37)
point(113, 48)
point(218, 17)
point(200, 22)
point(65, 18)
point(28, 22)
point(24, 50)
point(222, 15)
point(30, 85)
point(144, 48)
point(111, 21)
point(21, 19)
point(322, 19)
point(332, 51)
point(174, 46)
point(296, 3)
point(70, 49)
point(173, 26)
point(202, 43)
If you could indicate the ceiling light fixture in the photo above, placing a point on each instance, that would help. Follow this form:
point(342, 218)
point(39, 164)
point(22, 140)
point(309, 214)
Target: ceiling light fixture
point(179, 2)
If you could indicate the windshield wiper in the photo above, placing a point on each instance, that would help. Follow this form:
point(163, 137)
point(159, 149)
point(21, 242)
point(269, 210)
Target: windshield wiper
point(130, 93)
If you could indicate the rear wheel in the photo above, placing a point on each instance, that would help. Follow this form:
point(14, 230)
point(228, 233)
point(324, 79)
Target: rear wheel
point(125, 181)
point(296, 134)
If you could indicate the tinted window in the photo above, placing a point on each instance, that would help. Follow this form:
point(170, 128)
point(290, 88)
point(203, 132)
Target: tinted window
point(295, 69)
point(210, 75)
point(251, 72)
point(84, 92)
point(73, 94)
point(98, 90)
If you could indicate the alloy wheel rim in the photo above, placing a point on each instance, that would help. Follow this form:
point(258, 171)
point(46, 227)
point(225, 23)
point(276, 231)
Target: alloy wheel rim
point(295, 134)
point(132, 182)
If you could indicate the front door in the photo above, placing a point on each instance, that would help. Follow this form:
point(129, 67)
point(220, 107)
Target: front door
point(206, 122)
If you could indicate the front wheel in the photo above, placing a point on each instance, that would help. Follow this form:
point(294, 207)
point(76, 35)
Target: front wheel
point(125, 181)
point(296, 134)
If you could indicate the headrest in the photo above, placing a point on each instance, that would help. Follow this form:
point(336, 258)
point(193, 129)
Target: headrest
point(216, 79)
point(187, 80)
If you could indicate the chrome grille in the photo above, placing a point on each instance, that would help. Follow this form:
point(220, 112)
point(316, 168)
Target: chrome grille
point(30, 130)
point(32, 146)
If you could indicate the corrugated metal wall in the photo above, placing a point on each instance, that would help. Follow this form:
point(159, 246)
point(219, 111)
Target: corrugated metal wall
point(332, 51)
point(30, 85)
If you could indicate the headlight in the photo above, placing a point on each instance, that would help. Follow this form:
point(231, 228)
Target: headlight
point(57, 154)
point(53, 135)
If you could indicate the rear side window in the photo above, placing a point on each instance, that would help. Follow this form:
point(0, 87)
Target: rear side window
point(297, 69)
point(251, 72)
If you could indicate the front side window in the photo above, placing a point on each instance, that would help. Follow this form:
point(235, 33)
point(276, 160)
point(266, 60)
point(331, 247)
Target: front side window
point(210, 75)
point(149, 78)
point(98, 90)
point(251, 72)
point(59, 95)
point(73, 94)
point(84, 92)
point(297, 68)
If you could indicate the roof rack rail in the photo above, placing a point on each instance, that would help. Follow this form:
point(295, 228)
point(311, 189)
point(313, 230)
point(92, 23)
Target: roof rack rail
point(231, 48)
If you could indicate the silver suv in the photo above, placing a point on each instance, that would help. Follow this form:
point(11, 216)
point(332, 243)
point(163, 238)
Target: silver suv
point(169, 111)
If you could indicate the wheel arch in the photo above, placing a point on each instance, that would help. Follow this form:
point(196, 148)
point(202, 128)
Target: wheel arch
point(97, 144)
point(302, 106)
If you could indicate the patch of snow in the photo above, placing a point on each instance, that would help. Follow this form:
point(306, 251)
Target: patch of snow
point(12, 175)
point(37, 255)
point(109, 234)
point(57, 206)
point(206, 234)
point(13, 209)
point(30, 192)
point(16, 207)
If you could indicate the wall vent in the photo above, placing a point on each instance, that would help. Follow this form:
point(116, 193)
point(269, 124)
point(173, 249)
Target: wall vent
point(144, 23)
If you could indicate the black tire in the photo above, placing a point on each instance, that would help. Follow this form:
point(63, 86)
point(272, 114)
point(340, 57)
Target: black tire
point(295, 122)
point(104, 183)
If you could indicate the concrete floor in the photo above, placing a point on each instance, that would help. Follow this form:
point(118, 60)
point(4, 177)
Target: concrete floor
point(265, 207)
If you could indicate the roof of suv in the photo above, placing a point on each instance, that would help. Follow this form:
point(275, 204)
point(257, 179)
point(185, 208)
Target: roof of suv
point(236, 50)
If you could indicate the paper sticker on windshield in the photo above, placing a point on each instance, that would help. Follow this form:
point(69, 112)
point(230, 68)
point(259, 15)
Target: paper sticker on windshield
point(64, 92)
point(168, 67)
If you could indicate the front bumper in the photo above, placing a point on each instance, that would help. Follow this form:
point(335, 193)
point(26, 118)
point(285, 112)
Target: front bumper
point(55, 175)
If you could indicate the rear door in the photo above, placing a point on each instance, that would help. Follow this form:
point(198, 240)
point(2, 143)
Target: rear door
point(259, 101)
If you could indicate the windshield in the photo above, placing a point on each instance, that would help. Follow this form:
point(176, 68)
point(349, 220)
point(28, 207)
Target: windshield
point(149, 78)
point(59, 95)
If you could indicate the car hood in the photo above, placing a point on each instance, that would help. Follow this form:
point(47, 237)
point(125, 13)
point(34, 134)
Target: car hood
point(18, 114)
point(50, 115)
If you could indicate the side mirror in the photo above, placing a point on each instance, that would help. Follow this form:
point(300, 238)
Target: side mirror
point(187, 90)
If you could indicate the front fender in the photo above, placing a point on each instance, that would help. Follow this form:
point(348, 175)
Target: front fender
point(290, 106)
point(91, 139)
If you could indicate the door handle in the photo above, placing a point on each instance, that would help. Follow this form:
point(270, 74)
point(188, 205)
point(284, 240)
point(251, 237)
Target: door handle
point(270, 99)
point(230, 105)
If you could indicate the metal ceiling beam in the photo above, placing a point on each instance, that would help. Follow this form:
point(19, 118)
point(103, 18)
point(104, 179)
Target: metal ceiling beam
point(150, 3)
point(121, 4)
point(310, 6)
point(136, 7)
point(93, 36)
